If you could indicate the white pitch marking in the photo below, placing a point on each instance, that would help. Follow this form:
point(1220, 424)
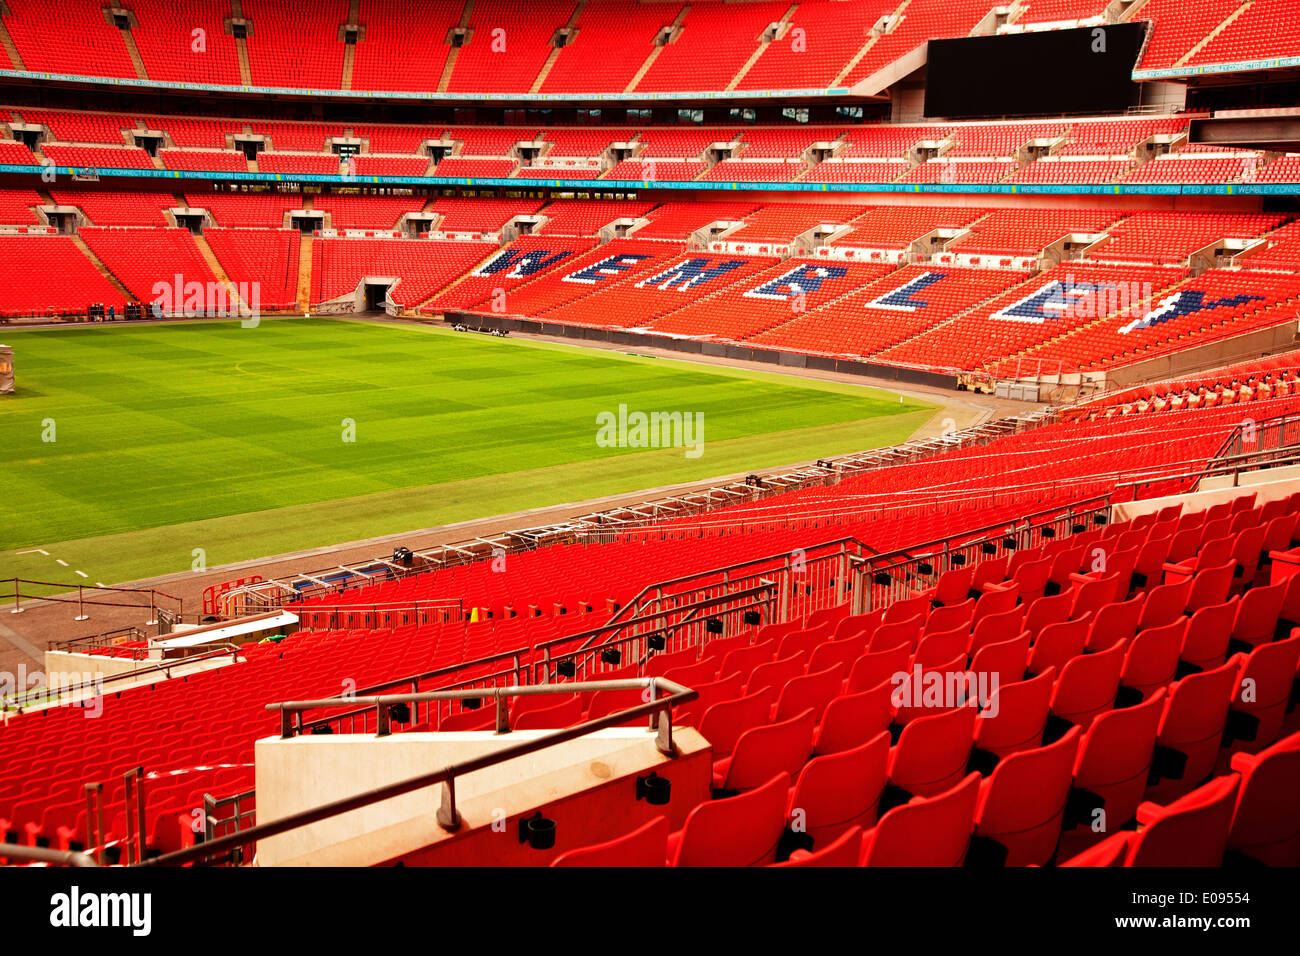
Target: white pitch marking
point(61, 561)
point(83, 574)
point(35, 551)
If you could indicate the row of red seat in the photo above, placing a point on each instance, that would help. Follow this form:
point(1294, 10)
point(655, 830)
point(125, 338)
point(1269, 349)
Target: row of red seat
point(1107, 710)
point(819, 44)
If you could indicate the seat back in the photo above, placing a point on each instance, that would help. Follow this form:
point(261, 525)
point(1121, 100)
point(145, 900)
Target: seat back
point(925, 832)
point(810, 692)
point(1164, 604)
point(836, 791)
point(898, 632)
point(1115, 756)
point(1023, 802)
point(722, 724)
point(1205, 645)
point(1003, 663)
point(829, 653)
point(1193, 724)
point(781, 747)
point(776, 674)
point(852, 719)
point(844, 851)
point(1152, 657)
point(1257, 614)
point(647, 845)
point(1210, 585)
point(996, 628)
point(561, 715)
point(1016, 716)
point(1057, 644)
point(1191, 831)
point(744, 830)
point(1115, 622)
point(936, 648)
point(1265, 826)
point(701, 672)
point(876, 666)
point(932, 751)
point(743, 660)
point(1088, 684)
point(950, 617)
point(1264, 690)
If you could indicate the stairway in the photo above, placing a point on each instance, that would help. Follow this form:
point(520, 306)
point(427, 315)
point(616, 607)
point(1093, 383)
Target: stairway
point(134, 52)
point(849, 67)
point(1182, 60)
point(210, 257)
point(555, 51)
point(454, 52)
point(654, 53)
point(101, 268)
point(304, 275)
point(7, 42)
point(241, 46)
point(753, 58)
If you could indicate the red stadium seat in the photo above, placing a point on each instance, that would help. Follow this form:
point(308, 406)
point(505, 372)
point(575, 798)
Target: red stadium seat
point(927, 831)
point(744, 830)
point(647, 845)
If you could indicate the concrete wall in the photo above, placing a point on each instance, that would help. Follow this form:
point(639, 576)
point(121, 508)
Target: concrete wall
point(586, 785)
point(1266, 485)
point(1240, 348)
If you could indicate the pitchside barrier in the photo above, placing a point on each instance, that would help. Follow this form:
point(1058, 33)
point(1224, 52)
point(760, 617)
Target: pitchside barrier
point(911, 375)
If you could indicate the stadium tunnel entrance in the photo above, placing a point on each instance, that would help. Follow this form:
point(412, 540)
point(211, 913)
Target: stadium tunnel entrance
point(375, 292)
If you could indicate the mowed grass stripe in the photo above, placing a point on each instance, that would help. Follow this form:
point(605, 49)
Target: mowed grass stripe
point(179, 424)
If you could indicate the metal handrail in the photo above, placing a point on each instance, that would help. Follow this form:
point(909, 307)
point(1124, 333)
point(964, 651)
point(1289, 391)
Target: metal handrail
point(80, 600)
point(39, 854)
point(659, 708)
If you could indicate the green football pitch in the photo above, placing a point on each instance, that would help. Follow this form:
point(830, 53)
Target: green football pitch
point(125, 450)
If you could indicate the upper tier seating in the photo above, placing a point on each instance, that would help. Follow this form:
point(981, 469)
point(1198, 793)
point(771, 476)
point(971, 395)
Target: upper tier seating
point(615, 38)
point(405, 45)
point(186, 56)
point(821, 40)
point(1265, 29)
point(508, 47)
point(317, 58)
point(509, 43)
point(1177, 26)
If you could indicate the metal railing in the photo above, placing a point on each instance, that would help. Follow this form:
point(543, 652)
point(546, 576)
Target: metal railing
point(356, 719)
point(14, 852)
point(384, 613)
point(657, 708)
point(14, 586)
